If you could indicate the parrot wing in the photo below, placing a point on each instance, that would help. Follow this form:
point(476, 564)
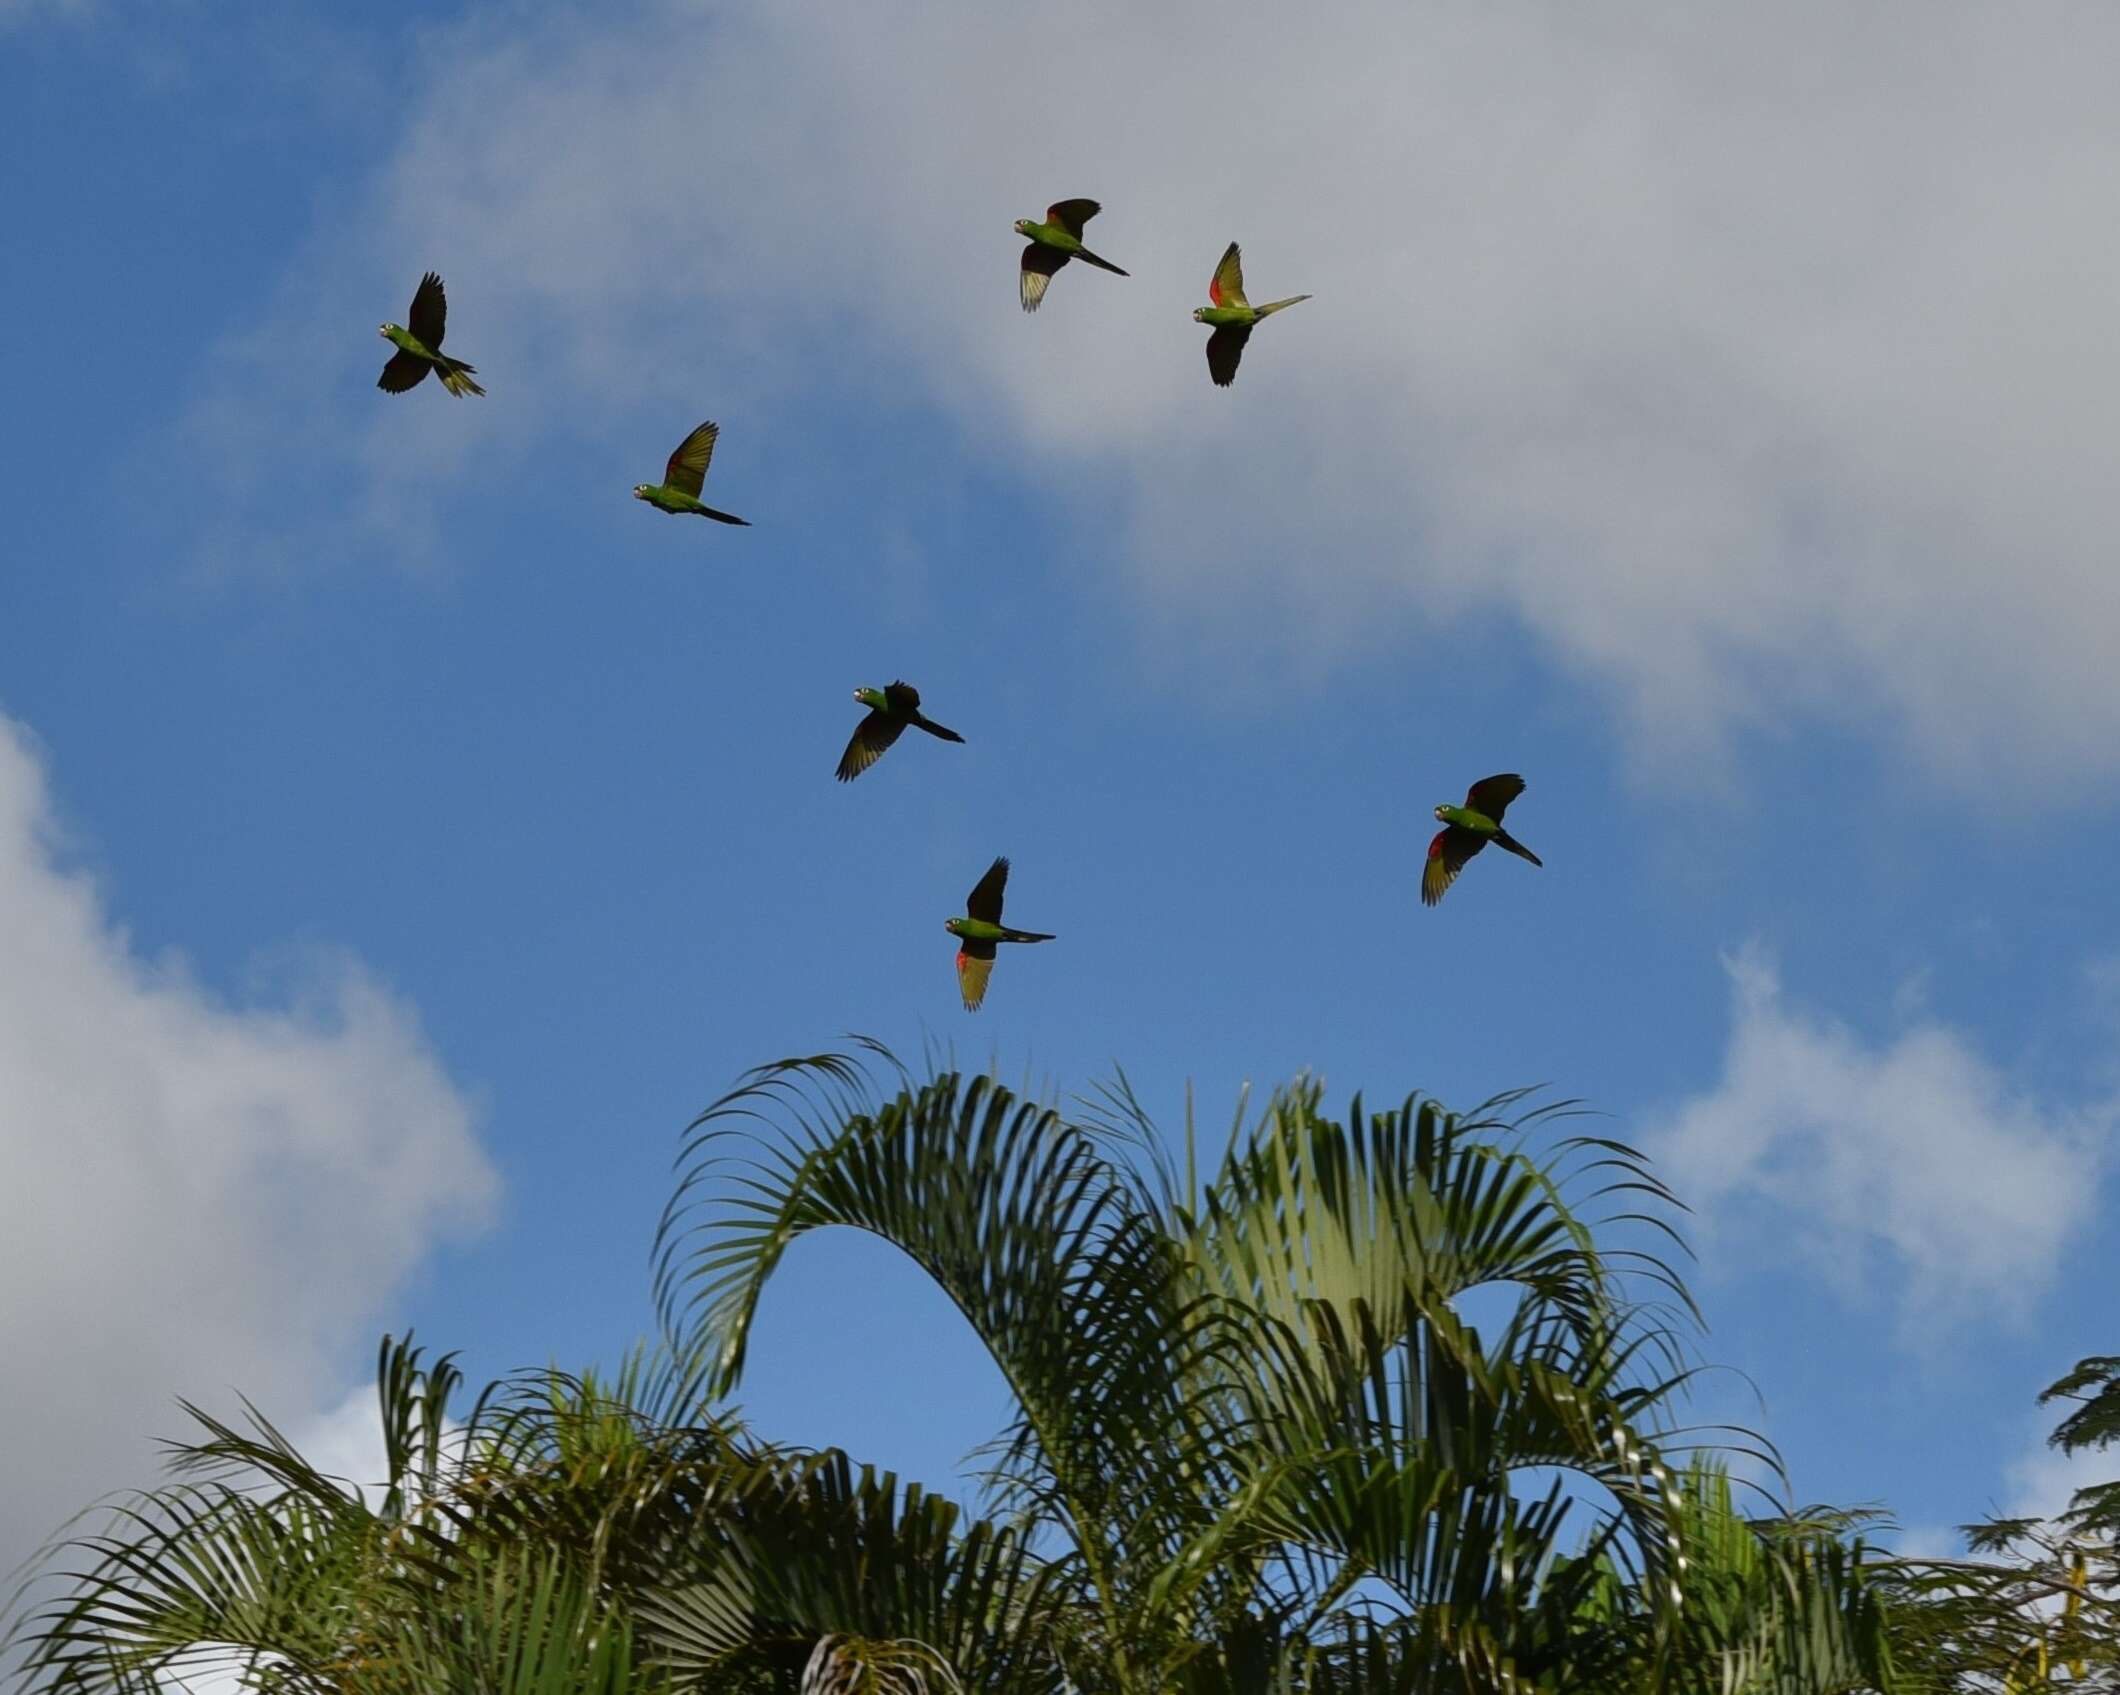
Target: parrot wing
point(430, 312)
point(1224, 349)
point(687, 470)
point(1071, 215)
point(1490, 796)
point(402, 372)
point(1039, 264)
point(1226, 286)
point(984, 902)
point(872, 736)
point(1447, 854)
point(975, 964)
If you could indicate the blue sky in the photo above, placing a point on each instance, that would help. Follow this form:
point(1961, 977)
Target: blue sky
point(467, 826)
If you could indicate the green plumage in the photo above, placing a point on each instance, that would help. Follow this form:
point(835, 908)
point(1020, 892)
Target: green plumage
point(1232, 316)
point(419, 346)
point(891, 710)
point(980, 931)
point(684, 477)
point(1469, 828)
point(1052, 244)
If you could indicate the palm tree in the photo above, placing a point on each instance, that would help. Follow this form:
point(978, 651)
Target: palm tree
point(1253, 1430)
point(256, 1563)
point(1257, 1444)
point(2037, 1607)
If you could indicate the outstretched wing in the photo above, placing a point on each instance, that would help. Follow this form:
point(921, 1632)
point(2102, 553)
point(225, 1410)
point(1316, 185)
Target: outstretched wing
point(1226, 286)
point(984, 902)
point(1071, 215)
point(1039, 264)
point(687, 470)
point(1224, 348)
point(430, 312)
point(1447, 854)
point(975, 964)
point(871, 737)
point(403, 370)
point(904, 699)
point(1490, 796)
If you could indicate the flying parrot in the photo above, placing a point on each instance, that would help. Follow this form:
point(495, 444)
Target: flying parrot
point(890, 711)
point(685, 476)
point(978, 932)
point(1232, 316)
point(1052, 244)
point(419, 349)
point(1468, 828)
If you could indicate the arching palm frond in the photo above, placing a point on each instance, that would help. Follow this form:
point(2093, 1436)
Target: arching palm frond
point(1049, 1249)
point(202, 1579)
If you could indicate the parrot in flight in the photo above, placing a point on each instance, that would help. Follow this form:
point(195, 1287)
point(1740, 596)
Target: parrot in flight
point(979, 930)
point(1052, 244)
point(890, 711)
point(1232, 316)
point(684, 477)
point(1468, 828)
point(419, 349)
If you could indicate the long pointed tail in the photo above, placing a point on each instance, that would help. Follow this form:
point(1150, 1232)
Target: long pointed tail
point(1089, 258)
point(935, 729)
point(456, 376)
point(1270, 309)
point(1024, 936)
point(1502, 838)
point(721, 517)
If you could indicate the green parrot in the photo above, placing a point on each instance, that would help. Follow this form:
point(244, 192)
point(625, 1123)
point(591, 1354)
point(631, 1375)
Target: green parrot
point(1232, 316)
point(979, 931)
point(419, 349)
point(684, 477)
point(1468, 828)
point(1052, 244)
point(890, 711)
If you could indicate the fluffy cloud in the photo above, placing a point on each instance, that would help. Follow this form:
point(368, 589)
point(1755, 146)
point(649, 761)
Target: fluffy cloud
point(1914, 1162)
point(198, 1197)
point(1757, 360)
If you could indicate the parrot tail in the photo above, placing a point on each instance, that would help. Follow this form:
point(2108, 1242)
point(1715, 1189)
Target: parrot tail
point(456, 376)
point(720, 517)
point(1268, 310)
point(1089, 258)
point(1024, 936)
point(935, 729)
point(1502, 838)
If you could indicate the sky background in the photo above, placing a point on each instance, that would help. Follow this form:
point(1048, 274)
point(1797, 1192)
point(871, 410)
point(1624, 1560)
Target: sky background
point(1709, 414)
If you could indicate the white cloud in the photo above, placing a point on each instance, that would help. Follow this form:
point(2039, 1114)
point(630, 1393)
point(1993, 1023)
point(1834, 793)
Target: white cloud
point(199, 1198)
point(1913, 1164)
point(1757, 359)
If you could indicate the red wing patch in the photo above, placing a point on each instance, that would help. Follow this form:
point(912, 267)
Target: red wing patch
point(972, 974)
point(1445, 859)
